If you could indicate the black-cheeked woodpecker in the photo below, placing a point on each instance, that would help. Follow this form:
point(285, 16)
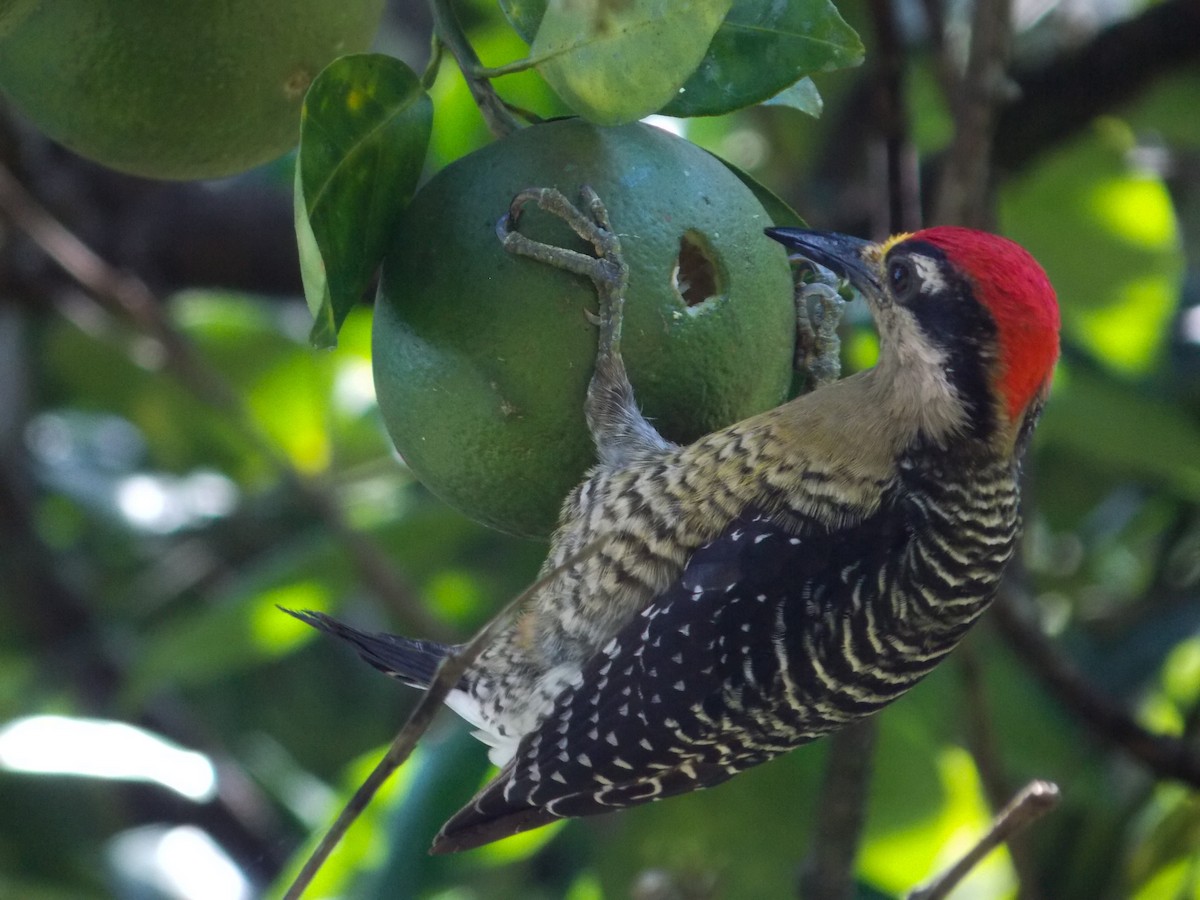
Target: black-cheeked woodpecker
point(776, 579)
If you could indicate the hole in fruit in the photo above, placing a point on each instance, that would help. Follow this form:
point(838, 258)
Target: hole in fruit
point(696, 276)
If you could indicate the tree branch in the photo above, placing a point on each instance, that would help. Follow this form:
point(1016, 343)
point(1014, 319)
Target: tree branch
point(964, 195)
point(1059, 99)
point(899, 181)
point(448, 673)
point(500, 119)
point(982, 744)
point(1033, 801)
point(828, 869)
point(128, 298)
point(1165, 756)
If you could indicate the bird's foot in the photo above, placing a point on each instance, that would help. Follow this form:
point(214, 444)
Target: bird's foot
point(618, 428)
point(606, 270)
point(818, 315)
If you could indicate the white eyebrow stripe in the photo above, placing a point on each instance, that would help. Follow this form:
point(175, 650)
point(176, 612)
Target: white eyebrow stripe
point(931, 276)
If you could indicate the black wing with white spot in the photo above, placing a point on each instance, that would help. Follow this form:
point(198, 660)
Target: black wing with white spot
point(701, 685)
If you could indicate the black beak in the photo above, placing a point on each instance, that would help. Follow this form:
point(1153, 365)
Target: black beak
point(845, 255)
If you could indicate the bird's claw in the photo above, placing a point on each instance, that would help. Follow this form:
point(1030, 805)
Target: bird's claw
point(606, 270)
point(818, 315)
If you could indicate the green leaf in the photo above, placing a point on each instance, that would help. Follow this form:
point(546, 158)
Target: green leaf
point(776, 207)
point(1171, 834)
point(803, 96)
point(760, 49)
point(617, 62)
point(525, 16)
point(1118, 296)
point(363, 135)
point(1119, 428)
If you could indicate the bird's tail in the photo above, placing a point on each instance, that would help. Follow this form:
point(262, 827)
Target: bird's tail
point(411, 661)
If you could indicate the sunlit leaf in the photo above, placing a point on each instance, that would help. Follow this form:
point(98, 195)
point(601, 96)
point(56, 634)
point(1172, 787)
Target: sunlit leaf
point(617, 62)
point(363, 135)
point(1170, 837)
point(898, 859)
point(291, 401)
point(456, 595)
point(585, 887)
point(277, 634)
point(1181, 673)
point(760, 49)
point(235, 629)
point(1106, 235)
point(285, 388)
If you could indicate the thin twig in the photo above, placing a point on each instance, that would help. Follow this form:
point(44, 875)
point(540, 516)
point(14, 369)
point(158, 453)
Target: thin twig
point(126, 297)
point(1032, 802)
point(500, 119)
point(981, 741)
point(1166, 756)
point(122, 294)
point(445, 678)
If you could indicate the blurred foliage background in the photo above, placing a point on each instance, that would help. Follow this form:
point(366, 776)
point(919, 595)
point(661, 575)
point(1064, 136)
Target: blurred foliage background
point(167, 478)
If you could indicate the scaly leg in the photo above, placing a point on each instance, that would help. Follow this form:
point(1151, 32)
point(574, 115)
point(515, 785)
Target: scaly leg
point(619, 429)
point(818, 314)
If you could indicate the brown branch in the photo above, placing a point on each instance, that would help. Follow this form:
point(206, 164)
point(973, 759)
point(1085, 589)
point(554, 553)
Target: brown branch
point(1034, 800)
point(981, 741)
point(119, 293)
point(127, 297)
point(1165, 756)
point(964, 196)
point(935, 19)
point(1061, 98)
point(828, 869)
point(898, 160)
point(499, 118)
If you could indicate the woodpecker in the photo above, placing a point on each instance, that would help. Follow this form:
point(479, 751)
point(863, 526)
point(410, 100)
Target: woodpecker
point(777, 579)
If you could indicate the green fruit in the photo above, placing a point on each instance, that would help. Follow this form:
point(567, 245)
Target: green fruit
point(174, 90)
point(482, 359)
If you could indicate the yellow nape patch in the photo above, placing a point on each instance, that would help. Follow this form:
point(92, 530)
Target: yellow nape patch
point(886, 245)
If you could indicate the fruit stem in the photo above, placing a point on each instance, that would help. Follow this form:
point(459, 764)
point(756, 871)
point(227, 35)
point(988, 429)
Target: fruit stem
point(448, 31)
point(436, 52)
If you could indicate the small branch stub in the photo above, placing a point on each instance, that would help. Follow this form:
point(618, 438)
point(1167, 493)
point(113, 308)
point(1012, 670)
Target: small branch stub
point(1031, 803)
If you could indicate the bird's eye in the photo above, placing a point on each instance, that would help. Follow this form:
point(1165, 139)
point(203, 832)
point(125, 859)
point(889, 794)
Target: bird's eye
point(903, 278)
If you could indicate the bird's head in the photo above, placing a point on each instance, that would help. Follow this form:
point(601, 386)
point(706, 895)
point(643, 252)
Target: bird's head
point(968, 324)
